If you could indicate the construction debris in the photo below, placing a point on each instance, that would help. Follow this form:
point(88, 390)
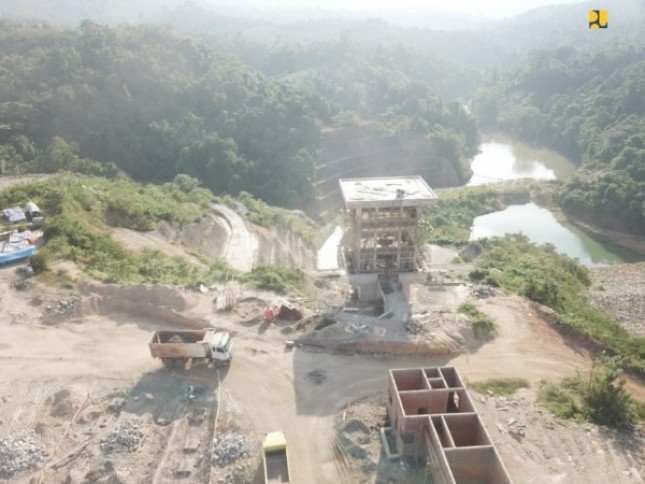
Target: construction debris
point(20, 452)
point(288, 312)
point(61, 310)
point(124, 438)
point(229, 448)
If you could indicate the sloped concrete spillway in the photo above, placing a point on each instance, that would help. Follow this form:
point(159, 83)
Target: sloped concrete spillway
point(241, 246)
point(328, 254)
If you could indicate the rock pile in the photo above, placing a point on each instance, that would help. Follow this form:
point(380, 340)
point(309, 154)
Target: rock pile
point(61, 310)
point(484, 291)
point(124, 438)
point(19, 452)
point(228, 448)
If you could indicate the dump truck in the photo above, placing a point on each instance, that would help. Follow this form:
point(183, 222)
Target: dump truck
point(274, 458)
point(184, 347)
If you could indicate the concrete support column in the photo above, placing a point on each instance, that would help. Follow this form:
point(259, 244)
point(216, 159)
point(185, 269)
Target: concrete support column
point(375, 237)
point(357, 239)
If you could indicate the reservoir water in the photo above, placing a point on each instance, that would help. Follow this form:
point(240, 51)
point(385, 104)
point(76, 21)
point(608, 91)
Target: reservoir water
point(502, 159)
point(541, 226)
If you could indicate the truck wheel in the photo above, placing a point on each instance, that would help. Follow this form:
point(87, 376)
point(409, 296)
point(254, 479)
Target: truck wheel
point(168, 362)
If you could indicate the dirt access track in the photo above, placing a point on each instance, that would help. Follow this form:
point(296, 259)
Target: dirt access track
point(87, 380)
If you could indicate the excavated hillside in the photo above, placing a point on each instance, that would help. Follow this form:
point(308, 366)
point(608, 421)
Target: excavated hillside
point(352, 152)
point(225, 234)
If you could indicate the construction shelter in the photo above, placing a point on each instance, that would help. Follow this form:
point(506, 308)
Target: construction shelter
point(433, 417)
point(383, 217)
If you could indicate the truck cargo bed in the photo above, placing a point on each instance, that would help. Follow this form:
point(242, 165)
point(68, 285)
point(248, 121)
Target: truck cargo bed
point(179, 344)
point(277, 467)
point(187, 336)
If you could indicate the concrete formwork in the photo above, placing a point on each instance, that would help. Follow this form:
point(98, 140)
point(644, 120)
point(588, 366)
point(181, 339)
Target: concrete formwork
point(433, 417)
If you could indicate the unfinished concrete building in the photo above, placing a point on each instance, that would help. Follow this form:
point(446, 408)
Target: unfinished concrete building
point(432, 417)
point(383, 217)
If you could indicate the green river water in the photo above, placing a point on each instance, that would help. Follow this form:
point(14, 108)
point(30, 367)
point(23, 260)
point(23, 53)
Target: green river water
point(502, 159)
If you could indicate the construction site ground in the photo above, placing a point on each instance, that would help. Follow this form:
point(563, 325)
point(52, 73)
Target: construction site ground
point(81, 393)
point(81, 400)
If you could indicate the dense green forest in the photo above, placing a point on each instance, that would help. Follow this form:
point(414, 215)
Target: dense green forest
point(153, 104)
point(590, 106)
point(240, 103)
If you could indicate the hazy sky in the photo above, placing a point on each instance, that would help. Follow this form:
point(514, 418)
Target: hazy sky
point(486, 8)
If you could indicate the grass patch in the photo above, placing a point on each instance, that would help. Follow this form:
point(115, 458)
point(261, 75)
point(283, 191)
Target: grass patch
point(272, 278)
point(500, 386)
point(561, 399)
point(599, 398)
point(555, 280)
point(483, 326)
point(81, 209)
point(269, 216)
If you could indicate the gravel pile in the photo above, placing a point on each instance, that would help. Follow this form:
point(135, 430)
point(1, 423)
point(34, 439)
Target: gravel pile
point(124, 438)
point(229, 448)
point(19, 452)
point(619, 290)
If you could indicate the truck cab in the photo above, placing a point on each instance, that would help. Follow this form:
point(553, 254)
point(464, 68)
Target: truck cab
point(220, 344)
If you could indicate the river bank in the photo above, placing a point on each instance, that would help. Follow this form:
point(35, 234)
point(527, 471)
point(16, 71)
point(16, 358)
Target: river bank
point(631, 242)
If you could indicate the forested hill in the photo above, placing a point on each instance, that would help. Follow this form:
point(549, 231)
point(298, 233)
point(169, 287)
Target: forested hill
point(590, 106)
point(155, 104)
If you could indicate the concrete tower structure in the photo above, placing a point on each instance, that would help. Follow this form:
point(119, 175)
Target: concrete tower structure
point(383, 217)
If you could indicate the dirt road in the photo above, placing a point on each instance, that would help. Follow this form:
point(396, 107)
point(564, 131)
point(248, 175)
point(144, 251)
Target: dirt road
point(526, 347)
point(9, 181)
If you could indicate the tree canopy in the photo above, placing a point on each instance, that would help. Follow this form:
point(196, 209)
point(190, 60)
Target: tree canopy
point(153, 104)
